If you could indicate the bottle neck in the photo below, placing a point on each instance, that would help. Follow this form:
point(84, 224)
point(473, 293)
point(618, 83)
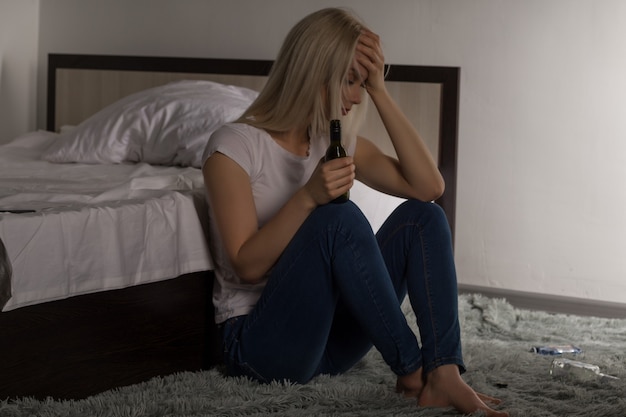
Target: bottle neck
point(335, 132)
point(335, 140)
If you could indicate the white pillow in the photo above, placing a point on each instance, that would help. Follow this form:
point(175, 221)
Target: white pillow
point(165, 125)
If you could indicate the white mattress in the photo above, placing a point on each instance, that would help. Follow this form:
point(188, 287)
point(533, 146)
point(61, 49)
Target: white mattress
point(95, 227)
point(101, 227)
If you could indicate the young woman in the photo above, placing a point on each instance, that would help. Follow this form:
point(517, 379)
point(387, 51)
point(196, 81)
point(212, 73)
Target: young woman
point(304, 287)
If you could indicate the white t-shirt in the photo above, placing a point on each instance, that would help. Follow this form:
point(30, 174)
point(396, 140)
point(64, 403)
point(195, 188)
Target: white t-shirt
point(275, 175)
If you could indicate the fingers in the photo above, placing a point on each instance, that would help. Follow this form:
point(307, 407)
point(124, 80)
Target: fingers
point(369, 54)
point(369, 44)
point(369, 39)
point(338, 176)
point(339, 163)
point(331, 179)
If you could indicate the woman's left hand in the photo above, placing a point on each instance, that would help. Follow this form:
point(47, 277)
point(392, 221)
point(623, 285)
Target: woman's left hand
point(369, 56)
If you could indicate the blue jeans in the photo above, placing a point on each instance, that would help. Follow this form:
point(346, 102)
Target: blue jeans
point(337, 289)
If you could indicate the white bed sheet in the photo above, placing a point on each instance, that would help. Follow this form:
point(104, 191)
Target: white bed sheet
point(95, 227)
point(102, 227)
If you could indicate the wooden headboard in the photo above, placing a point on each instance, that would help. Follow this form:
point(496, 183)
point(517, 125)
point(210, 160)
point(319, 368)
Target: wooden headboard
point(80, 85)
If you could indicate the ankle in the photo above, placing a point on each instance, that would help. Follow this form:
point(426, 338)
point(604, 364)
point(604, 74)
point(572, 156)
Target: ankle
point(411, 385)
point(442, 374)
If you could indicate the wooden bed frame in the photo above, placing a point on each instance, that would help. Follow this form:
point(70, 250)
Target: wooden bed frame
point(87, 344)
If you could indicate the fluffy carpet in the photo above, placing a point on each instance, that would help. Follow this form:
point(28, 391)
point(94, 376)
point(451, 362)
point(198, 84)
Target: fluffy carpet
point(497, 341)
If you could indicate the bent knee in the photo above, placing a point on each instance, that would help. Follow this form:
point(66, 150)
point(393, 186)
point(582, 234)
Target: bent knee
point(348, 214)
point(424, 210)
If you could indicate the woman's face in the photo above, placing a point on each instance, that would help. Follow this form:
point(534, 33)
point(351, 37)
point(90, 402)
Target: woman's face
point(353, 87)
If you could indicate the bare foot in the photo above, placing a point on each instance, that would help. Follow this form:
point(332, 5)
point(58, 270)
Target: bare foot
point(488, 399)
point(445, 388)
point(410, 385)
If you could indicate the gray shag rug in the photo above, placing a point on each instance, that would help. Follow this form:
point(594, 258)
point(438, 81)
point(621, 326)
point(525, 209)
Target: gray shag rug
point(497, 339)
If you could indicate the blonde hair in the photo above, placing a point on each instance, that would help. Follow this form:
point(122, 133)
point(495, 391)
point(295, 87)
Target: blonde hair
point(305, 84)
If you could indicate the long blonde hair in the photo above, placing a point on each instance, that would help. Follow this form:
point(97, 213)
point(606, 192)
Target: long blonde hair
point(305, 84)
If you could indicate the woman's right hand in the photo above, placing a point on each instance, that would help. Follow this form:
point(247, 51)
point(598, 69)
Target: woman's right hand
point(331, 179)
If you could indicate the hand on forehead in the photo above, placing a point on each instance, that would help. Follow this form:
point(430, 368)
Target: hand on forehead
point(359, 70)
point(365, 51)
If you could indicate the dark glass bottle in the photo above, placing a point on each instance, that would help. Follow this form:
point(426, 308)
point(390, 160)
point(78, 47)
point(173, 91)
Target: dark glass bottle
point(336, 150)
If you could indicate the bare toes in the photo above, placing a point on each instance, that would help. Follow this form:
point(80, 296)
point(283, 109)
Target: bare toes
point(488, 399)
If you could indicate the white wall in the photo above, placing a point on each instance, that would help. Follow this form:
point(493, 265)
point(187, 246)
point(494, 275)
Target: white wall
point(19, 23)
point(542, 140)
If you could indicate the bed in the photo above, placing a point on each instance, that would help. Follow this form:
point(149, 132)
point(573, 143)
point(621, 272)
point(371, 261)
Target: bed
point(105, 271)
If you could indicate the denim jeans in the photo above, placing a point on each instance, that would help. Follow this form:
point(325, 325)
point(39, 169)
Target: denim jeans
point(337, 289)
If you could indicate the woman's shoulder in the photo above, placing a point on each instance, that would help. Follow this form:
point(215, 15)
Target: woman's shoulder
point(240, 134)
point(239, 129)
point(238, 140)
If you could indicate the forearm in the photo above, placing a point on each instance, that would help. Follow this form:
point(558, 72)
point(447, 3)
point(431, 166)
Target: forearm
point(417, 165)
point(261, 251)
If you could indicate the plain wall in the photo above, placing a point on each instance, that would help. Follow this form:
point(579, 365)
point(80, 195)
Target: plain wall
point(19, 36)
point(542, 140)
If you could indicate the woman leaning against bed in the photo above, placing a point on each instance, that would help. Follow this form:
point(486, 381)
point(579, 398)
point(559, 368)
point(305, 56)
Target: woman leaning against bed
point(304, 287)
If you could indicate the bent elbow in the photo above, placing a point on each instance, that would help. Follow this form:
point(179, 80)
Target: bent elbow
point(435, 191)
point(249, 275)
point(439, 190)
